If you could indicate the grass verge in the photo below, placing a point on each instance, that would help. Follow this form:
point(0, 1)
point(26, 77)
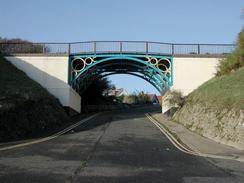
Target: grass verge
point(26, 109)
point(226, 91)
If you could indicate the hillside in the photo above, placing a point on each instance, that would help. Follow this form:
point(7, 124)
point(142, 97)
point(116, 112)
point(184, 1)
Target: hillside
point(225, 92)
point(216, 109)
point(26, 109)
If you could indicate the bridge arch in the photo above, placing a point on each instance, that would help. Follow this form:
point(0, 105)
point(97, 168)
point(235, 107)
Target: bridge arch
point(155, 69)
point(146, 73)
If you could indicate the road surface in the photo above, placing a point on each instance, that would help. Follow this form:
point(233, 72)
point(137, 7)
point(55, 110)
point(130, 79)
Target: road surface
point(122, 146)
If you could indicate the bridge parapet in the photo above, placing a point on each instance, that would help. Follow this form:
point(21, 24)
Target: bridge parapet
point(96, 47)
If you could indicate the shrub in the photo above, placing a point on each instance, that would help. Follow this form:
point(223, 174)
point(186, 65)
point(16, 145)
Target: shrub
point(10, 46)
point(233, 61)
point(137, 98)
point(175, 97)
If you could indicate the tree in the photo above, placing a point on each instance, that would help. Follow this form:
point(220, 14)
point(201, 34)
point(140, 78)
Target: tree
point(94, 92)
point(235, 60)
point(10, 46)
point(137, 98)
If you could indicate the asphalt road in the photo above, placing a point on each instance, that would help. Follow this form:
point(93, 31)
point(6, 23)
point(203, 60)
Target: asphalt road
point(121, 146)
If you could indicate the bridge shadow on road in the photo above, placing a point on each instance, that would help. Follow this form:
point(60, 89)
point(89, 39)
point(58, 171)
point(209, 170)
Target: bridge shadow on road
point(117, 115)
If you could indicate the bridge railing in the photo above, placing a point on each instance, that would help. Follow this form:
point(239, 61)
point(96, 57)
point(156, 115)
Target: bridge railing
point(95, 47)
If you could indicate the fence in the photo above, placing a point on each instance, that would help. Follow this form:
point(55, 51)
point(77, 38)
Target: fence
point(96, 47)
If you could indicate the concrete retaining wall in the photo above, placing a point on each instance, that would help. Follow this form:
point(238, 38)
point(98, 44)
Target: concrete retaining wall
point(191, 72)
point(225, 126)
point(52, 73)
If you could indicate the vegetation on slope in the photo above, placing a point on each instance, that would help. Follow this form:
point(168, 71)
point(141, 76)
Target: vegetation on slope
point(215, 109)
point(226, 91)
point(235, 60)
point(14, 82)
point(26, 109)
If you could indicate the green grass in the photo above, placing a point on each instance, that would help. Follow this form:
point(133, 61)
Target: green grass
point(14, 82)
point(226, 91)
point(26, 109)
point(233, 61)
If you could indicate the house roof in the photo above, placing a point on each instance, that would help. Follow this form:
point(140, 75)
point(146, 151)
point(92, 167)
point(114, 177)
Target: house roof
point(159, 97)
point(153, 97)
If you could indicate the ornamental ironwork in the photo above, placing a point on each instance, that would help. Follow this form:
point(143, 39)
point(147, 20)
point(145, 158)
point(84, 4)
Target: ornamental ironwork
point(155, 69)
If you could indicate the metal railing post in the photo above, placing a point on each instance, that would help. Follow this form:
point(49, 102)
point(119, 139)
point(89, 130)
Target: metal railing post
point(95, 47)
point(69, 48)
point(172, 49)
point(43, 48)
point(120, 47)
point(146, 47)
point(198, 49)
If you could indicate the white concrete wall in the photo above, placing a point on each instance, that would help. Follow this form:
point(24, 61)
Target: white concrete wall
point(191, 72)
point(52, 73)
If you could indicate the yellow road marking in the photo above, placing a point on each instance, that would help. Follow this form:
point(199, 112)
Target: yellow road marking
point(182, 148)
point(49, 137)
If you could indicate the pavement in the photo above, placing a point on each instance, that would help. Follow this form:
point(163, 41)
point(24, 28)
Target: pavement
point(199, 144)
point(119, 146)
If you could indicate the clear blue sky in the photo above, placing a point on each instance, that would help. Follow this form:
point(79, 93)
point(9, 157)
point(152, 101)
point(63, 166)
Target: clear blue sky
point(187, 21)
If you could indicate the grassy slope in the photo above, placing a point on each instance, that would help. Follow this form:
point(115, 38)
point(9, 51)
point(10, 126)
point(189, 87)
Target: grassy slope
point(26, 109)
point(223, 92)
point(15, 82)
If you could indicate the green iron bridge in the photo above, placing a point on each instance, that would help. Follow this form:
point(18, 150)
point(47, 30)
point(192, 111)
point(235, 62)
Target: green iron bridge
point(155, 69)
point(163, 65)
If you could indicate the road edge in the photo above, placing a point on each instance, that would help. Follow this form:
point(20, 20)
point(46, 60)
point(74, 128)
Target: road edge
point(177, 142)
point(51, 136)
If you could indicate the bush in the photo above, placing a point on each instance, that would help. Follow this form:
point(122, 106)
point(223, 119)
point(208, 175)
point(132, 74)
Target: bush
point(175, 97)
point(11, 46)
point(92, 93)
point(233, 61)
point(21, 118)
point(137, 98)
point(26, 109)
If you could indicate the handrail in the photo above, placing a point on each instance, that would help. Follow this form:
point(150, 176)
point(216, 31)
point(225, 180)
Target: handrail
point(9, 42)
point(144, 47)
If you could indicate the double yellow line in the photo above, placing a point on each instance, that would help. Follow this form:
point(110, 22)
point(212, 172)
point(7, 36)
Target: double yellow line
point(180, 146)
point(49, 137)
point(171, 138)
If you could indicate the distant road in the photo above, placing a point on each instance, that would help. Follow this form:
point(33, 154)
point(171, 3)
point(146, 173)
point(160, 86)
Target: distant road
point(122, 146)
